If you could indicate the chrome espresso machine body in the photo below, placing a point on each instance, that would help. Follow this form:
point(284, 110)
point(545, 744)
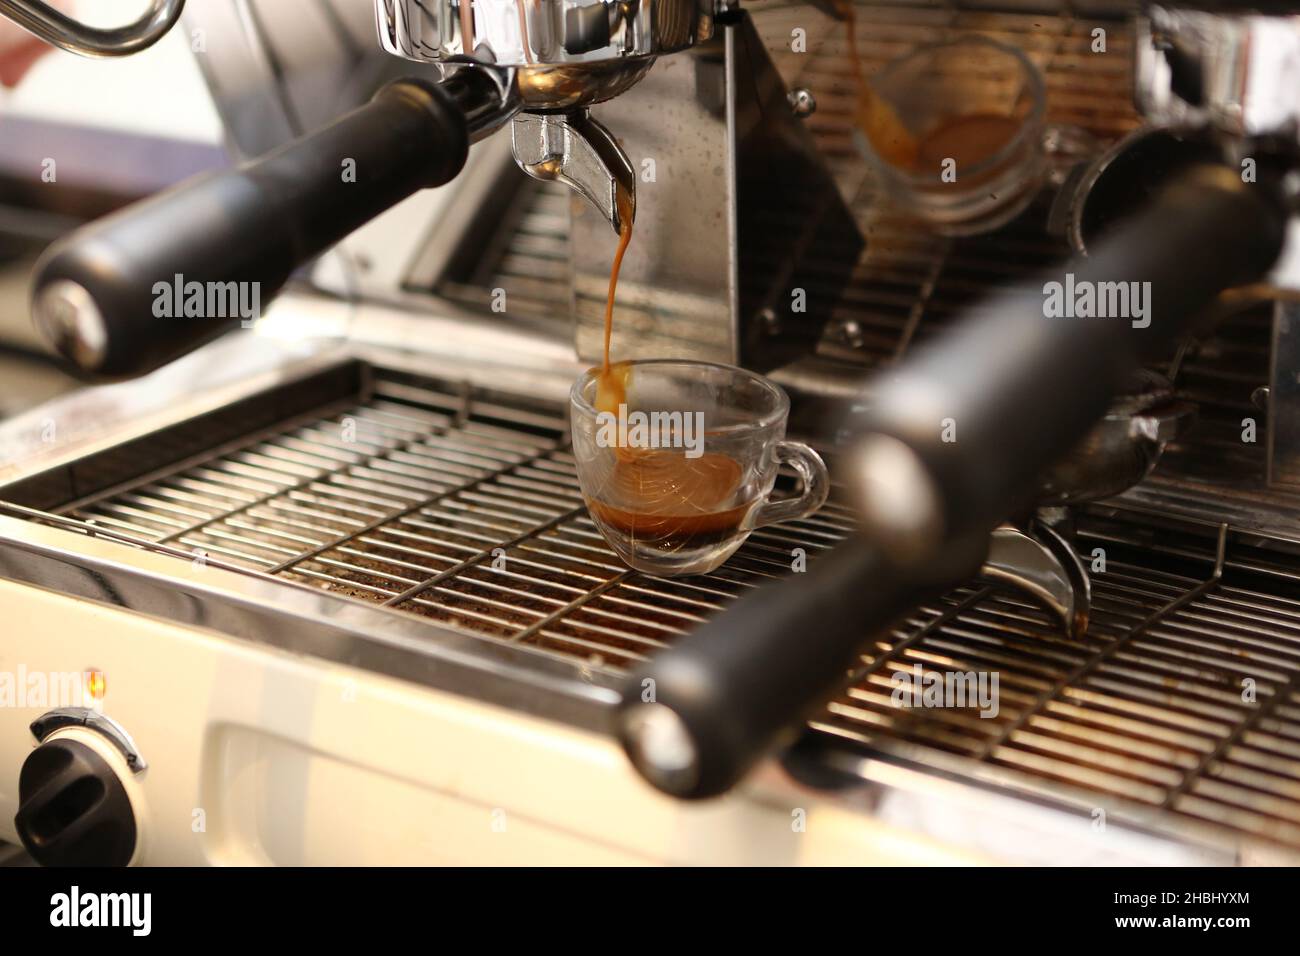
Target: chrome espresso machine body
point(337, 584)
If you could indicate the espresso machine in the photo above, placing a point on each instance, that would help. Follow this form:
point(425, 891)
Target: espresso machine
point(333, 566)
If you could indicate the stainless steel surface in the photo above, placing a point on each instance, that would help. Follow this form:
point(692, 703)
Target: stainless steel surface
point(660, 744)
point(446, 543)
point(1143, 718)
point(1283, 398)
point(69, 319)
point(1234, 72)
point(906, 284)
point(554, 55)
point(802, 103)
point(55, 720)
point(1219, 470)
point(1049, 529)
point(1150, 710)
point(54, 26)
point(206, 590)
point(909, 284)
point(486, 105)
point(279, 68)
point(742, 237)
point(394, 526)
point(403, 499)
point(514, 33)
point(169, 585)
point(575, 150)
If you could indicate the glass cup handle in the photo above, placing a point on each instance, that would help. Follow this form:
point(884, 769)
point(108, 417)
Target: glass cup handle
point(815, 479)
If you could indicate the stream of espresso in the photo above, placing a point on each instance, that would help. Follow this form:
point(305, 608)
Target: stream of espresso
point(659, 497)
point(611, 385)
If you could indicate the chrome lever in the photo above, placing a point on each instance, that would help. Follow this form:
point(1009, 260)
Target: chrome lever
point(64, 32)
point(1045, 567)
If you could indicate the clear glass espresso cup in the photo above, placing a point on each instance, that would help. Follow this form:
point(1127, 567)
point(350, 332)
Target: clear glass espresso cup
point(976, 108)
point(678, 475)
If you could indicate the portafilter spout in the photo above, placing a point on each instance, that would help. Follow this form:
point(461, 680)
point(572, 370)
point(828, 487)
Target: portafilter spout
point(574, 149)
point(559, 58)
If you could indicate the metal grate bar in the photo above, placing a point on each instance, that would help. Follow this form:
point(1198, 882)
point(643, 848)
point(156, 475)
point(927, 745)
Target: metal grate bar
point(94, 531)
point(396, 515)
point(1141, 711)
point(208, 455)
point(578, 602)
point(922, 303)
point(480, 557)
point(929, 627)
point(269, 496)
point(1280, 694)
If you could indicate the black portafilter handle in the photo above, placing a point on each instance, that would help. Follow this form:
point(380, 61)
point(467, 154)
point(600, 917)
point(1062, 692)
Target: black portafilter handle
point(947, 446)
point(129, 293)
point(700, 714)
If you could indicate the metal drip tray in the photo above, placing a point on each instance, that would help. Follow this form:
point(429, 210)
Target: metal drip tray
point(439, 501)
point(459, 508)
point(1183, 697)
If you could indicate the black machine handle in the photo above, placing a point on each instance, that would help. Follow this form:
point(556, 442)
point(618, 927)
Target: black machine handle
point(960, 430)
point(103, 294)
point(701, 713)
point(1015, 385)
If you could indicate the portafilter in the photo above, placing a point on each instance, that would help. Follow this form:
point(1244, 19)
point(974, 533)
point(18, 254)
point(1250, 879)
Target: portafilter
point(538, 62)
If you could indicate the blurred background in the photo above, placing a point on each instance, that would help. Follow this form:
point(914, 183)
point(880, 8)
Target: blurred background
point(79, 138)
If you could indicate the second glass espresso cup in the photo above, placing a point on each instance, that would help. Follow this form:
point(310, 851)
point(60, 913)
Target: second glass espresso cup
point(678, 475)
point(975, 103)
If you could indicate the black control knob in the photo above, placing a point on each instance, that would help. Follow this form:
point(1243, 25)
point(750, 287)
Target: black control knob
point(73, 809)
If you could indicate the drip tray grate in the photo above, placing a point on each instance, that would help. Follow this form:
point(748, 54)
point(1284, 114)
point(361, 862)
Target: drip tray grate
point(421, 499)
point(1184, 696)
point(464, 508)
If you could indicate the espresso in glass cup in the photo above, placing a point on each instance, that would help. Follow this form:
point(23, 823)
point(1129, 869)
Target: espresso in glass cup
point(679, 469)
